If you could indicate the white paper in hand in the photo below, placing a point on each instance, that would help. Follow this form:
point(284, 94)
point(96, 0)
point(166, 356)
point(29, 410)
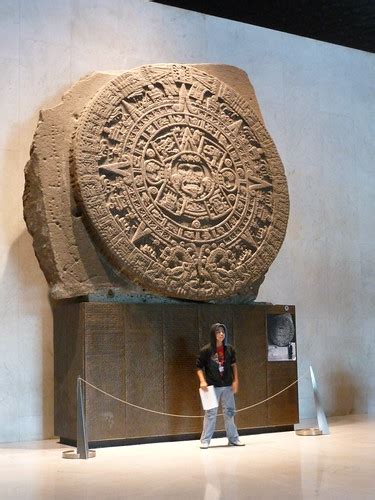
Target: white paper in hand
point(208, 398)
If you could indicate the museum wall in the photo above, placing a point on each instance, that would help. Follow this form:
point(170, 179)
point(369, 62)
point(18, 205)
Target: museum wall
point(318, 102)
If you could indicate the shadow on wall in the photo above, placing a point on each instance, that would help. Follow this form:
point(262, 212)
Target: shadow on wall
point(14, 157)
point(24, 297)
point(345, 393)
point(35, 343)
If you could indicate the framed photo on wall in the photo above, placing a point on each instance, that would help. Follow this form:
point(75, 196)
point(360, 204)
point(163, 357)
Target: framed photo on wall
point(281, 337)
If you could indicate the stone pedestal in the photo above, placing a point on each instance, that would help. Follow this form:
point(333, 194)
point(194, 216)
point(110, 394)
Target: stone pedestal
point(145, 354)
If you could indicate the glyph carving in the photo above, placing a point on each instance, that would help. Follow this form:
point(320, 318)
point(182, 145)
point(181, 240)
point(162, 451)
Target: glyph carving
point(181, 186)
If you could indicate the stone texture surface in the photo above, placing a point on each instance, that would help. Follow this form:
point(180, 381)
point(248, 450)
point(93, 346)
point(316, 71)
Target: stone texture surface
point(121, 347)
point(65, 252)
point(280, 329)
point(178, 184)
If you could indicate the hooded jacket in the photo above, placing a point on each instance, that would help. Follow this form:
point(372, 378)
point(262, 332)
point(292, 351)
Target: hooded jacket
point(208, 363)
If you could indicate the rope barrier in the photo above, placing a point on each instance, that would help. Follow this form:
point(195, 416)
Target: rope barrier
point(190, 416)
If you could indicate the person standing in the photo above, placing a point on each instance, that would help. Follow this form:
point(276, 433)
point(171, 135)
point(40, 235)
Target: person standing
point(216, 365)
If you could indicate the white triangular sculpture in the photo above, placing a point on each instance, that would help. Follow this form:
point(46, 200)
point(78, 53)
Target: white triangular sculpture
point(322, 420)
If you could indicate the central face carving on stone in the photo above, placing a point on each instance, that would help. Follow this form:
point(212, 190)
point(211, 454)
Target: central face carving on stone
point(191, 176)
point(180, 183)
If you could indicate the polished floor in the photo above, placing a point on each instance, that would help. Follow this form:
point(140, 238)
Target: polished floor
point(271, 466)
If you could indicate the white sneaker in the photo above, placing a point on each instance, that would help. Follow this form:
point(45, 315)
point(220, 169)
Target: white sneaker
point(204, 446)
point(236, 443)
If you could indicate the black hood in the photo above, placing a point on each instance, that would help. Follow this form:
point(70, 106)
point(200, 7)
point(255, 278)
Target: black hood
point(213, 337)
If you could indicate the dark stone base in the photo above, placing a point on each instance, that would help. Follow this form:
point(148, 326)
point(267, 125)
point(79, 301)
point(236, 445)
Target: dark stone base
point(180, 437)
point(145, 354)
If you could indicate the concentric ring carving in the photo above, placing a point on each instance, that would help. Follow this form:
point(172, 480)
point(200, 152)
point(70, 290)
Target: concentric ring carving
point(181, 185)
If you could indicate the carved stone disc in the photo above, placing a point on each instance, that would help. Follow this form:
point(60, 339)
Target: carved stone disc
point(180, 183)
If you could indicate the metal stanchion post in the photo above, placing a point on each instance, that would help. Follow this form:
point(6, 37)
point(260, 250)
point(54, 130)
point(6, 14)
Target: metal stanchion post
point(321, 417)
point(83, 451)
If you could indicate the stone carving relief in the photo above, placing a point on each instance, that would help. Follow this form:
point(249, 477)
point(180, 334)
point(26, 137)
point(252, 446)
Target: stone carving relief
point(180, 185)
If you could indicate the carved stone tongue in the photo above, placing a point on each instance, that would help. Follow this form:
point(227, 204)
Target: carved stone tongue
point(180, 184)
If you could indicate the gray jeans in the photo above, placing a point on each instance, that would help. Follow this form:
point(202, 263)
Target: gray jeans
point(226, 397)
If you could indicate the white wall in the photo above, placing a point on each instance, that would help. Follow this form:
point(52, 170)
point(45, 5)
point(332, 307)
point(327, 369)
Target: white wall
point(318, 101)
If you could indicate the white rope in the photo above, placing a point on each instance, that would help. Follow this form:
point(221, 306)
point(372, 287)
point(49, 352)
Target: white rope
point(189, 416)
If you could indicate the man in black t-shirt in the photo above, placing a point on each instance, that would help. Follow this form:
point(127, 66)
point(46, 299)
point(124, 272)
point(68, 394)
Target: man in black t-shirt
point(216, 365)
